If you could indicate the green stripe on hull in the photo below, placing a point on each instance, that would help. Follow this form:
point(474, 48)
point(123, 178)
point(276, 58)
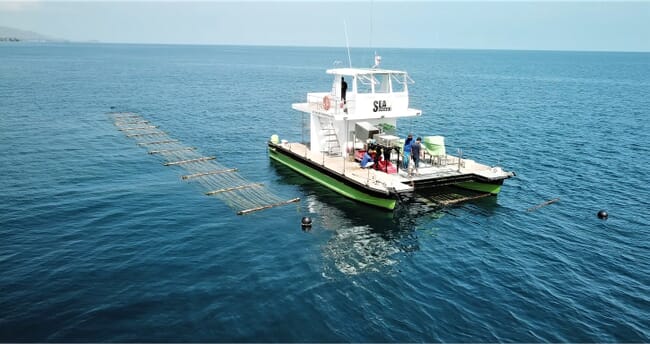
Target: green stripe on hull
point(482, 187)
point(332, 183)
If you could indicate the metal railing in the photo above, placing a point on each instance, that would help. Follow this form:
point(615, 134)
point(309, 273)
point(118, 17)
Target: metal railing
point(336, 105)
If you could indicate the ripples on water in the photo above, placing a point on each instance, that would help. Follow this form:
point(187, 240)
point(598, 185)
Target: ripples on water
point(100, 242)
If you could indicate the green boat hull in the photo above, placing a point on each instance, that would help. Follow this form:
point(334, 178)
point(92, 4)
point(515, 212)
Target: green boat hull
point(332, 183)
point(482, 187)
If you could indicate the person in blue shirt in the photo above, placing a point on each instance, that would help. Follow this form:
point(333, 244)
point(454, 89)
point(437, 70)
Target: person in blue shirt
point(367, 160)
point(407, 152)
point(416, 148)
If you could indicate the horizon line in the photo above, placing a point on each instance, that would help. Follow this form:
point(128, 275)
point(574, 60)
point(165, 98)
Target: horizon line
point(329, 46)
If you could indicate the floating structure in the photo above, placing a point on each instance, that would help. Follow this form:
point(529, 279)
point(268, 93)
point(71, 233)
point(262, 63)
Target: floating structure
point(217, 180)
point(348, 121)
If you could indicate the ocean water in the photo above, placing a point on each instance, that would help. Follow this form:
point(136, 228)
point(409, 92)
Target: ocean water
point(100, 242)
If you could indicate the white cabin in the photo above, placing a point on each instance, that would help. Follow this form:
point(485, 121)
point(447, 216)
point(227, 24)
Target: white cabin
point(375, 97)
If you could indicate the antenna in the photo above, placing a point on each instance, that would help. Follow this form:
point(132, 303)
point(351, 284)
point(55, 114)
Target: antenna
point(377, 57)
point(371, 16)
point(347, 44)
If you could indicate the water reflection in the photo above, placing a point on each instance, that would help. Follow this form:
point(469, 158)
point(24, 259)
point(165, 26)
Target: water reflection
point(364, 238)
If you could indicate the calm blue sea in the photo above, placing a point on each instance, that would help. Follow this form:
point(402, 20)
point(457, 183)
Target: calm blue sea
point(100, 242)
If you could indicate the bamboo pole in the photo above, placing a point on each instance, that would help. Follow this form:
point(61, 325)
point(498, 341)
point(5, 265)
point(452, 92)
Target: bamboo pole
point(543, 204)
point(127, 115)
point(248, 211)
point(201, 174)
point(156, 142)
point(163, 151)
point(121, 122)
point(188, 161)
point(146, 134)
point(463, 199)
point(252, 185)
point(139, 128)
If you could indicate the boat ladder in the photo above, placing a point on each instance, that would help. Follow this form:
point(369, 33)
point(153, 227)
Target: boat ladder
point(328, 132)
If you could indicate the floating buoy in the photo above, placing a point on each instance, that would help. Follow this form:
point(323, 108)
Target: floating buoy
point(306, 222)
point(602, 214)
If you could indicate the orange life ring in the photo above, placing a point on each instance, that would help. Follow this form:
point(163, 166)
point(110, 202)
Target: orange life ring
point(326, 103)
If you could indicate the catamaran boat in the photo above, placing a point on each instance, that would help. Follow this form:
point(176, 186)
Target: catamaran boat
point(348, 121)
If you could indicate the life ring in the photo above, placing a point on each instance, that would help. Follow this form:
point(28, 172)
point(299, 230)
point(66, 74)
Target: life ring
point(326, 103)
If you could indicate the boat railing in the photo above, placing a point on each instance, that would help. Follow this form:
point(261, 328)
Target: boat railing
point(333, 105)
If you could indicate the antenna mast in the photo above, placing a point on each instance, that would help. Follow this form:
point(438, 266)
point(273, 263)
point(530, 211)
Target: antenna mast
point(371, 16)
point(347, 44)
point(377, 57)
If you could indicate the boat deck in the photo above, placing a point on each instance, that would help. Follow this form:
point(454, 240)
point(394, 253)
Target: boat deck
point(437, 171)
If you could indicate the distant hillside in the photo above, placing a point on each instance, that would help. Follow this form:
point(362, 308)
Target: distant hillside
point(8, 34)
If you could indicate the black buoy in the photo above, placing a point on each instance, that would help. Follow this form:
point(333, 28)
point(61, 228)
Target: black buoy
point(602, 215)
point(306, 222)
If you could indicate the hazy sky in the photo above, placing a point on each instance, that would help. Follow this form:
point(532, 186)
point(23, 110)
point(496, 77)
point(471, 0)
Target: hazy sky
point(545, 25)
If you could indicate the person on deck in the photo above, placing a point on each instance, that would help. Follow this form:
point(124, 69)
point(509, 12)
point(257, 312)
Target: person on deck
point(367, 161)
point(344, 90)
point(416, 148)
point(407, 152)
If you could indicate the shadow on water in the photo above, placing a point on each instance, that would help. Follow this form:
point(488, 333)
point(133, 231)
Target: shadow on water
point(365, 238)
point(361, 238)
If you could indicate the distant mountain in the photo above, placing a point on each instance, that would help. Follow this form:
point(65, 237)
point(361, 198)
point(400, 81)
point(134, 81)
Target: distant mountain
point(16, 35)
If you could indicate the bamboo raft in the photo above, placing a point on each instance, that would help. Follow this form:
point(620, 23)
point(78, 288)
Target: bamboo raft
point(219, 181)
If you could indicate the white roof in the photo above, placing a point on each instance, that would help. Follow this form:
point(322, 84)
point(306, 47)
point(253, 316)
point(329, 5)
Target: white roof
point(357, 71)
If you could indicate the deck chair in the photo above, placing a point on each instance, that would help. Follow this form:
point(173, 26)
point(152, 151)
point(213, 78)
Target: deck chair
point(434, 148)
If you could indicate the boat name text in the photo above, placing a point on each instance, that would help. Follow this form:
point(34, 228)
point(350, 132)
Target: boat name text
point(380, 105)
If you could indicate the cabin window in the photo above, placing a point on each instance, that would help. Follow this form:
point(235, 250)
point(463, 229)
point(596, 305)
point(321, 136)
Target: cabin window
point(364, 83)
point(381, 82)
point(399, 82)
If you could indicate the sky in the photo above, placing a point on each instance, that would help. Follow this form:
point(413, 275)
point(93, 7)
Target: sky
point(525, 25)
